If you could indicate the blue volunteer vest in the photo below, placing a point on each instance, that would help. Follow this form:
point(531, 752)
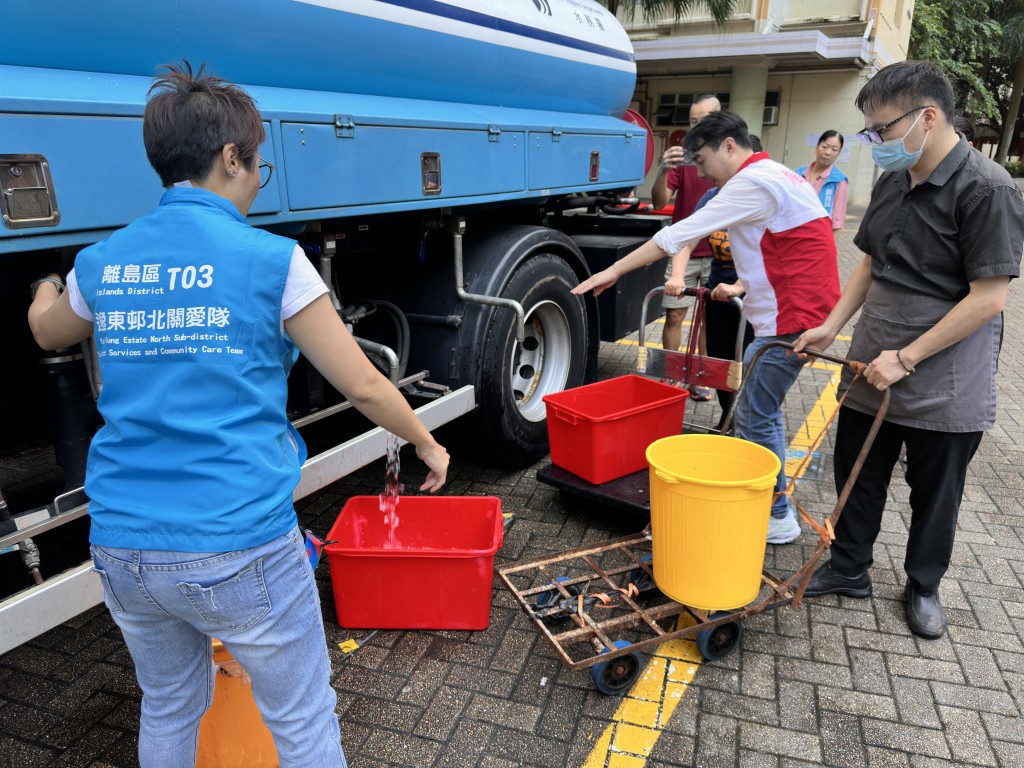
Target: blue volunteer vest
point(197, 454)
point(827, 193)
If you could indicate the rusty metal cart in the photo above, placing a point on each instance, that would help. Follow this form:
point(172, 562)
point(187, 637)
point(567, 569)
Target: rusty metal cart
point(585, 600)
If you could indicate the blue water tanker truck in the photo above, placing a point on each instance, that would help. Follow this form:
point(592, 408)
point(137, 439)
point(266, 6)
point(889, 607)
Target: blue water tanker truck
point(451, 167)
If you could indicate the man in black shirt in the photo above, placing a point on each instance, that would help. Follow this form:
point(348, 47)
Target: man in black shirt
point(943, 236)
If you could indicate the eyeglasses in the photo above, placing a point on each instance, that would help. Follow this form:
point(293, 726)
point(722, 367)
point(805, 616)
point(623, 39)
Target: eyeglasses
point(264, 180)
point(869, 136)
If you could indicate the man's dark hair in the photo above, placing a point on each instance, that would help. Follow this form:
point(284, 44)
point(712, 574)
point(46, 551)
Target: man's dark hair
point(716, 128)
point(908, 84)
point(755, 143)
point(191, 116)
point(962, 125)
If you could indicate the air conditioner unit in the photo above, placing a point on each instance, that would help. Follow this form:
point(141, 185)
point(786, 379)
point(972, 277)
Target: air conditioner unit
point(771, 116)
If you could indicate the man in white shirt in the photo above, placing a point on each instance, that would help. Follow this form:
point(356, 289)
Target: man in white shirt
point(785, 256)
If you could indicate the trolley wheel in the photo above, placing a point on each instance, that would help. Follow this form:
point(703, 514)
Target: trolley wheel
point(641, 579)
point(616, 676)
point(719, 641)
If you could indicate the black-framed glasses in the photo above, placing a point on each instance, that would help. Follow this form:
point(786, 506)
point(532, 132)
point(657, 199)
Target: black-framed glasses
point(869, 136)
point(264, 180)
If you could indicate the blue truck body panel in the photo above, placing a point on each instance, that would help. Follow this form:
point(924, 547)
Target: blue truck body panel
point(515, 114)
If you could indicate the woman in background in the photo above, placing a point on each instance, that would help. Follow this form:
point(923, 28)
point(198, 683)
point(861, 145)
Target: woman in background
point(829, 182)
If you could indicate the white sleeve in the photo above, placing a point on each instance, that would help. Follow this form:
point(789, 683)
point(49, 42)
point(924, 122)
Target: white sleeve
point(75, 297)
point(740, 200)
point(303, 285)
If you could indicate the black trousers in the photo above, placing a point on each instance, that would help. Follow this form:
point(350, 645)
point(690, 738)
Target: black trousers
point(936, 472)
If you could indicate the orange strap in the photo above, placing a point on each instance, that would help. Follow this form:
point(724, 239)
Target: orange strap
point(603, 601)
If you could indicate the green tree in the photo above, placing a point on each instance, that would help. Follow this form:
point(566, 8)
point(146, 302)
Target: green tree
point(961, 37)
point(1013, 51)
point(979, 44)
point(721, 10)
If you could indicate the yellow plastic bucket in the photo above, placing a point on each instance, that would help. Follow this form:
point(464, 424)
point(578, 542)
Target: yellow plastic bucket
point(711, 498)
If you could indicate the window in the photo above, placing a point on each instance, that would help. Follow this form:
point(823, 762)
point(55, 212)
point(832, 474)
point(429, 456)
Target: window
point(674, 108)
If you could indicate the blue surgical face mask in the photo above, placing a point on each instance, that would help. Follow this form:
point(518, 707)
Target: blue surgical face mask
point(893, 155)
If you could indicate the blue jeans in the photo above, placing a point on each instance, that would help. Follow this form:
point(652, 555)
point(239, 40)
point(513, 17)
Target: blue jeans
point(759, 408)
point(262, 603)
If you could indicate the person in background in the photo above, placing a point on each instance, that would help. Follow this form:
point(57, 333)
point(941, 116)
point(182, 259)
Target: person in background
point(198, 318)
point(682, 179)
point(962, 125)
point(828, 181)
point(785, 254)
point(721, 321)
point(942, 237)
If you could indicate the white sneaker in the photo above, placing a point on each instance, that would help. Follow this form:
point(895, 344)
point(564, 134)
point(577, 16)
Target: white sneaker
point(783, 530)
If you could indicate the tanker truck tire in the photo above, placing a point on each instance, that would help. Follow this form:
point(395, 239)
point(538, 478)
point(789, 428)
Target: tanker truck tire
point(515, 376)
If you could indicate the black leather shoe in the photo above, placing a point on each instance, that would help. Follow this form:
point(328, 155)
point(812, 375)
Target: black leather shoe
point(825, 581)
point(925, 615)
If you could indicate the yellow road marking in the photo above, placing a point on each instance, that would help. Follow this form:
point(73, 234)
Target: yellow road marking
point(629, 739)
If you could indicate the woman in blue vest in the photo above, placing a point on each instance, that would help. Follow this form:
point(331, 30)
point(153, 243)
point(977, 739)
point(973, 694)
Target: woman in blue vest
point(829, 182)
point(197, 319)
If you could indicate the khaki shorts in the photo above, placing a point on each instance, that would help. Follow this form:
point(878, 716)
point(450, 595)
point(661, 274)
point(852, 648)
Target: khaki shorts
point(697, 273)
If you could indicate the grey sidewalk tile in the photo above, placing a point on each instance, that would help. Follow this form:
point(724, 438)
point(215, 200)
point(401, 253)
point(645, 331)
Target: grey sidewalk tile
point(421, 687)
point(503, 713)
point(671, 749)
point(481, 680)
point(560, 715)
point(1010, 753)
point(798, 707)
point(442, 716)
point(976, 699)
point(914, 702)
point(718, 744)
point(907, 738)
point(816, 672)
point(757, 677)
point(780, 741)
point(856, 704)
point(374, 712)
point(400, 748)
point(514, 650)
point(1003, 727)
point(745, 708)
point(966, 736)
point(981, 668)
point(878, 641)
point(924, 668)
point(841, 742)
point(869, 671)
point(466, 746)
point(528, 748)
point(1004, 641)
point(828, 643)
point(751, 759)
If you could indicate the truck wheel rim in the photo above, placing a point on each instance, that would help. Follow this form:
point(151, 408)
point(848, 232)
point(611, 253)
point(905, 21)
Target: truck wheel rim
point(540, 363)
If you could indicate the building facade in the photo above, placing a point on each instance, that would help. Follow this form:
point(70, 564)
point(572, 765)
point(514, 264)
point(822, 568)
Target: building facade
point(791, 68)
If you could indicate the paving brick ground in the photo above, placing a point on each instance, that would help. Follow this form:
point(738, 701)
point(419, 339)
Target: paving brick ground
point(840, 682)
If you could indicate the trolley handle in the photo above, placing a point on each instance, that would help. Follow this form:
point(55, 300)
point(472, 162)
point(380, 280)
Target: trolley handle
point(736, 301)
